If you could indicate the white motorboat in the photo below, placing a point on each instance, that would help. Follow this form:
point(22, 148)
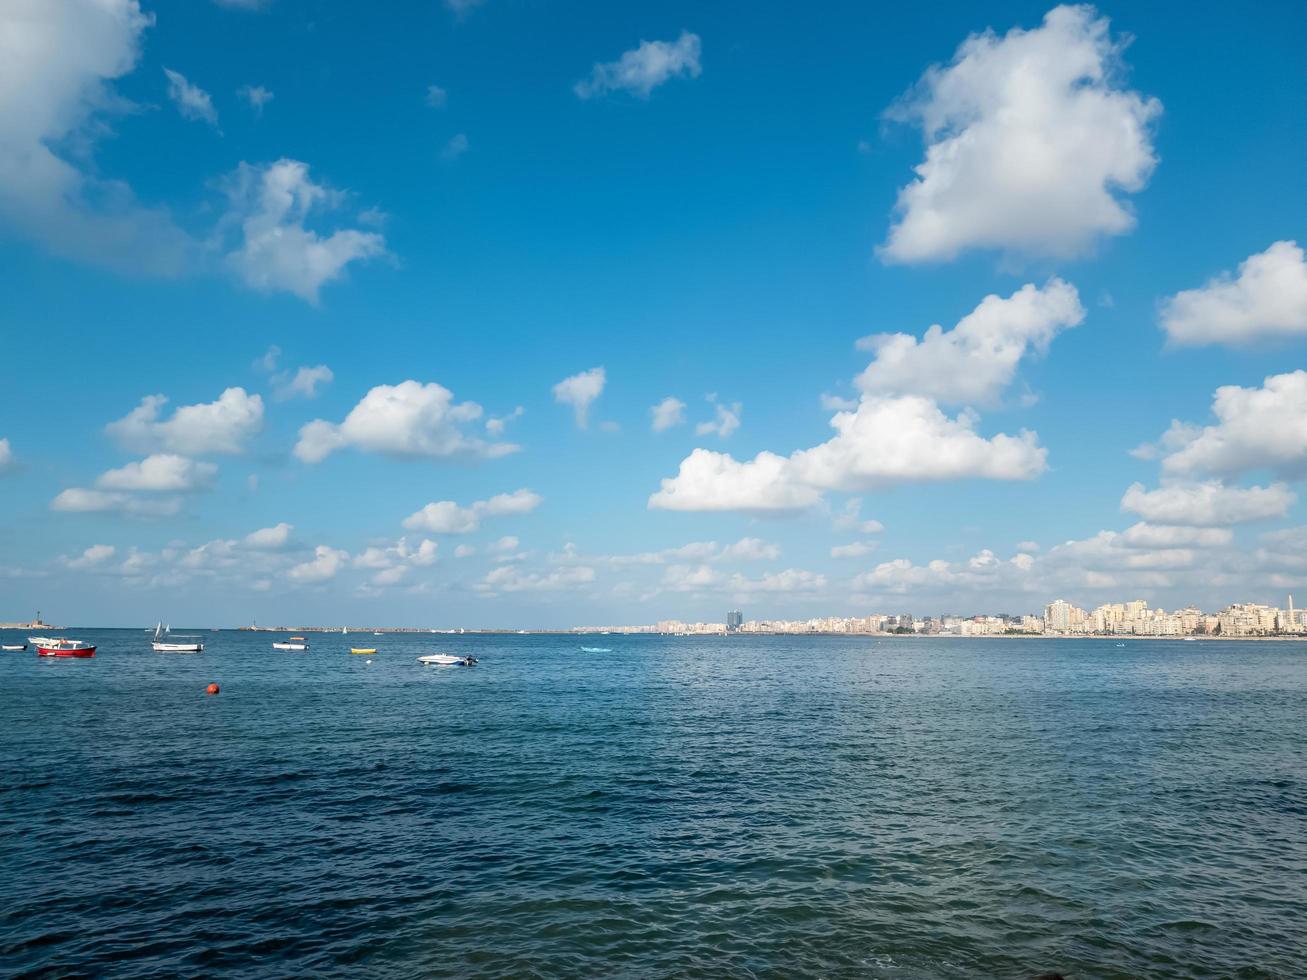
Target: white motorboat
point(446, 660)
point(165, 641)
point(14, 646)
point(294, 643)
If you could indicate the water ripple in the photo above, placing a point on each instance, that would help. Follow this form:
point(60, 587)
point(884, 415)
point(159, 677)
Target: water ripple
point(747, 808)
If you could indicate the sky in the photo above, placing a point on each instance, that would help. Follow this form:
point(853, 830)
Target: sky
point(515, 313)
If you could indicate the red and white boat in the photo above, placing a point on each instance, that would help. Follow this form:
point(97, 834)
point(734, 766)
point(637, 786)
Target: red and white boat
point(65, 648)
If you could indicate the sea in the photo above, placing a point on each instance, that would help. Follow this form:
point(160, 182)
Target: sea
point(670, 807)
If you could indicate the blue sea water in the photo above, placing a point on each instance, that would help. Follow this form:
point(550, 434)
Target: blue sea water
point(743, 807)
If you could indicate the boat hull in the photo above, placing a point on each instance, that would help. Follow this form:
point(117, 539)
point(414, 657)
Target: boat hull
point(357, 650)
point(80, 653)
point(290, 646)
point(446, 660)
point(179, 648)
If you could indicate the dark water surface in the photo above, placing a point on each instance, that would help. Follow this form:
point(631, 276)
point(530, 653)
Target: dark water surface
point(766, 807)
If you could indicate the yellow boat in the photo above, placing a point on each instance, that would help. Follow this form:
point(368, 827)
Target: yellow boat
point(360, 650)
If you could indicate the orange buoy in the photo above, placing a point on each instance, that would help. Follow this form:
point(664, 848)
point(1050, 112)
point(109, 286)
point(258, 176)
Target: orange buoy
point(211, 689)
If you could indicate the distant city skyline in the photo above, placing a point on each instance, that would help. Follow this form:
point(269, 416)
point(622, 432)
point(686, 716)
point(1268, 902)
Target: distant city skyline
point(448, 316)
point(1060, 618)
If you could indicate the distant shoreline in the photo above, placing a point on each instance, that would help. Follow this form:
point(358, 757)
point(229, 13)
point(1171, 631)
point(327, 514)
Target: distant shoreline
point(584, 634)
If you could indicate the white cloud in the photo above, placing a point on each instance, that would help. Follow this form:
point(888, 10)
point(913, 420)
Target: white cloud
point(324, 565)
point(222, 426)
point(667, 413)
point(512, 578)
point(908, 439)
point(1257, 428)
point(1030, 141)
point(455, 147)
point(506, 545)
point(1144, 535)
point(79, 500)
point(1267, 301)
point(642, 69)
point(903, 436)
point(726, 421)
point(163, 472)
point(975, 361)
point(750, 549)
point(838, 403)
point(690, 578)
point(270, 538)
point(191, 100)
point(856, 549)
point(746, 549)
point(408, 419)
point(257, 96)
point(791, 580)
point(303, 383)
point(1210, 504)
point(983, 570)
point(92, 557)
point(448, 517)
point(275, 250)
point(579, 391)
point(850, 519)
point(393, 563)
point(464, 551)
point(268, 361)
point(57, 61)
point(437, 97)
point(716, 482)
point(495, 426)
point(8, 461)
point(1285, 549)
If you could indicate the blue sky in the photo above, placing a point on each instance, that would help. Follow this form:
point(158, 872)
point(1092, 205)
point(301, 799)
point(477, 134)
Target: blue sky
point(710, 203)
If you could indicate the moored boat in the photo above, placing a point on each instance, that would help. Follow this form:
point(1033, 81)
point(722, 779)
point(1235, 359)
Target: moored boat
point(294, 643)
point(66, 648)
point(165, 641)
point(446, 660)
point(13, 646)
point(362, 649)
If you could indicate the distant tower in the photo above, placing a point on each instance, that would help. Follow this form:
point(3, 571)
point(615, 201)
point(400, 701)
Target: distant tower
point(734, 620)
point(1292, 625)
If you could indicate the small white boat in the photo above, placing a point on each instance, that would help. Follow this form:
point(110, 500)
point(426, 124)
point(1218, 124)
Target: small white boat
point(14, 646)
point(446, 660)
point(177, 643)
point(294, 643)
